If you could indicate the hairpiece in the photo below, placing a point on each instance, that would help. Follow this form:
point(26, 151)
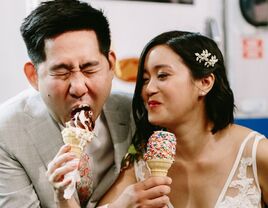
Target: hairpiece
point(204, 56)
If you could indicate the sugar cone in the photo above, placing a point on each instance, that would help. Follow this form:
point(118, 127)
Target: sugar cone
point(76, 150)
point(69, 138)
point(159, 167)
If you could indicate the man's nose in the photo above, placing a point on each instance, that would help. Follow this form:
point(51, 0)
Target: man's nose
point(78, 85)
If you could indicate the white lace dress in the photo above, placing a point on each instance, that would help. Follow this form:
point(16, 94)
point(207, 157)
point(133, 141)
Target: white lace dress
point(242, 189)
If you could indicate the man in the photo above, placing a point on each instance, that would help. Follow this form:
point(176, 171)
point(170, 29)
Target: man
point(71, 64)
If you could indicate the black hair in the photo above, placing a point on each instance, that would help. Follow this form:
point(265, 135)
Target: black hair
point(52, 18)
point(219, 102)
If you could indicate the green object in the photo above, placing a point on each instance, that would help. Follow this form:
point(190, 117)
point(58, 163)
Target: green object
point(132, 150)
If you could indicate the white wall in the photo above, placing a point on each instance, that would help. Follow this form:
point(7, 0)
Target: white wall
point(248, 76)
point(12, 50)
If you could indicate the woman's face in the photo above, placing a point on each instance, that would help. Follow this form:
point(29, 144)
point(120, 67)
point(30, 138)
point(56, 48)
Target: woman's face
point(169, 91)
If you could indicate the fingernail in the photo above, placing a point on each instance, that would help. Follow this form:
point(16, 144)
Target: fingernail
point(170, 180)
point(67, 146)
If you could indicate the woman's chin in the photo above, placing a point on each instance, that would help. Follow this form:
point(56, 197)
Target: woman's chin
point(155, 122)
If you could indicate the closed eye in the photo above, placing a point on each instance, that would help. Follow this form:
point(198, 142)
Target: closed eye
point(89, 68)
point(60, 70)
point(60, 73)
point(88, 71)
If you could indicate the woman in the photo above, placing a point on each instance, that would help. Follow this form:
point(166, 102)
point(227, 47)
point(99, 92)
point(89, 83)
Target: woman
point(182, 86)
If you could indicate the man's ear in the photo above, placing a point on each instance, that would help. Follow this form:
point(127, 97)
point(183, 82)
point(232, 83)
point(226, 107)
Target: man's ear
point(112, 60)
point(31, 73)
point(205, 84)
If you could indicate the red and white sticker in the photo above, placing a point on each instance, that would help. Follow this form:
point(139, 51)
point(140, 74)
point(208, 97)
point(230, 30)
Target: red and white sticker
point(253, 48)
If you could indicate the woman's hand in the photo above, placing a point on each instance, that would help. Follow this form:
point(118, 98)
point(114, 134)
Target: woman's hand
point(57, 169)
point(151, 192)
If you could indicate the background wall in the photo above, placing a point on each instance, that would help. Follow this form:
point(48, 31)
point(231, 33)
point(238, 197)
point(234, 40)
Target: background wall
point(12, 50)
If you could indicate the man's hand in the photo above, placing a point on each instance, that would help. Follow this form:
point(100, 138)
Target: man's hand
point(57, 169)
point(151, 192)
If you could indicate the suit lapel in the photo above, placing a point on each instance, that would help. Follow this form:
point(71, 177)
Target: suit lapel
point(119, 127)
point(121, 130)
point(44, 132)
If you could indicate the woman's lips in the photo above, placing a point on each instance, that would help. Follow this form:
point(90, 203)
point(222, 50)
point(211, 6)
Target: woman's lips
point(153, 103)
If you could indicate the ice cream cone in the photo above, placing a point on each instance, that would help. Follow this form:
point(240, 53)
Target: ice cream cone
point(159, 167)
point(160, 154)
point(76, 150)
point(70, 138)
point(78, 133)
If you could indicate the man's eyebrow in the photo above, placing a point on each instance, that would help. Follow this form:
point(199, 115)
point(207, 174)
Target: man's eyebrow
point(88, 64)
point(61, 66)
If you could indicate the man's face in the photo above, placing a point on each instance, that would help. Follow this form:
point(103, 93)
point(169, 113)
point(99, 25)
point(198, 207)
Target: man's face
point(75, 72)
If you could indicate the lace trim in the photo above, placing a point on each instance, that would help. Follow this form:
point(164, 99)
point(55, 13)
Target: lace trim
point(249, 192)
point(248, 195)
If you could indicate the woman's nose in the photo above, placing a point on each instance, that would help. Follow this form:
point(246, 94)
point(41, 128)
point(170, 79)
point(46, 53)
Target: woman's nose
point(78, 85)
point(151, 87)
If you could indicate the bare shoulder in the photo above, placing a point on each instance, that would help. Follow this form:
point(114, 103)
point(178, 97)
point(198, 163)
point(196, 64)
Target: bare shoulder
point(238, 133)
point(262, 167)
point(242, 132)
point(262, 154)
point(241, 129)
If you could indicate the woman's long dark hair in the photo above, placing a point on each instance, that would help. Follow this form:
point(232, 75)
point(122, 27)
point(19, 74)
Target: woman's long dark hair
point(219, 102)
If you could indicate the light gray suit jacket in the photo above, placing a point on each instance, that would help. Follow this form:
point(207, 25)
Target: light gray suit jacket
point(29, 140)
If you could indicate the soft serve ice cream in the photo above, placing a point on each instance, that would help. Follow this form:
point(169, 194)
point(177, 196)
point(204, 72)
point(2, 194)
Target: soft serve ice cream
point(78, 131)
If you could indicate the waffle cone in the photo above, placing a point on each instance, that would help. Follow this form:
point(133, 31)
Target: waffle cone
point(74, 143)
point(159, 167)
point(76, 150)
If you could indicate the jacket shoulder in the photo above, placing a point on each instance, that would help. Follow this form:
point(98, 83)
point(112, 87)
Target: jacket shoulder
point(122, 101)
point(19, 109)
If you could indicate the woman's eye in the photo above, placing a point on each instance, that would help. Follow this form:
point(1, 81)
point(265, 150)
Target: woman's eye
point(145, 80)
point(162, 75)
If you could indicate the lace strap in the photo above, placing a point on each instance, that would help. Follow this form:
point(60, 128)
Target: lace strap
point(254, 152)
point(233, 170)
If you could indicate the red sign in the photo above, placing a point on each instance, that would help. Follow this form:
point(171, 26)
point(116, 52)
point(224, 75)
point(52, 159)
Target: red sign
point(252, 48)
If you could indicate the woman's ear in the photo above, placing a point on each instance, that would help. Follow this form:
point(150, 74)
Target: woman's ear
point(205, 84)
point(31, 73)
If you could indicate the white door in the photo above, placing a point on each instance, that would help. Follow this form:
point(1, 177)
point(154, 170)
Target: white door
point(247, 58)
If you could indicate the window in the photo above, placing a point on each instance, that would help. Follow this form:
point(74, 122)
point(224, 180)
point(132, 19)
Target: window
point(255, 11)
